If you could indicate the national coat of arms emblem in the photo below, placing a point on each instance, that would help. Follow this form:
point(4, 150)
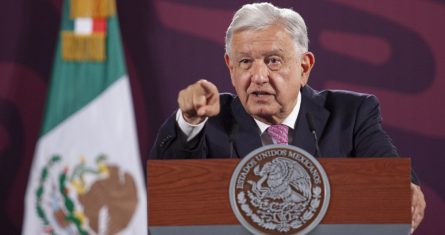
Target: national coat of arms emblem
point(83, 198)
point(279, 189)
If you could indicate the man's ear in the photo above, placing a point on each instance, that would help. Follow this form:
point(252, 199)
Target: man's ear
point(229, 64)
point(307, 62)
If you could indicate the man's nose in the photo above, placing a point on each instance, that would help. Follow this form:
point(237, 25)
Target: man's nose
point(259, 72)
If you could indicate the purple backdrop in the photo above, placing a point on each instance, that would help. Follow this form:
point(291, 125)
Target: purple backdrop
point(392, 49)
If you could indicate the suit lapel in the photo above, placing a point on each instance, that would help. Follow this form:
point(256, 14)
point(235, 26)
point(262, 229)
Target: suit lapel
point(247, 137)
point(313, 103)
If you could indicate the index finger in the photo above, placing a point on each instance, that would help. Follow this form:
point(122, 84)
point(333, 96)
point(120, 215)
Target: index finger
point(209, 88)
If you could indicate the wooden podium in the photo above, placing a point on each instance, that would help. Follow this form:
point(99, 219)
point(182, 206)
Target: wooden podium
point(368, 196)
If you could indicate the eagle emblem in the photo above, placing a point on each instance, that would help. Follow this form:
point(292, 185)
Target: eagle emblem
point(84, 198)
point(284, 179)
point(279, 189)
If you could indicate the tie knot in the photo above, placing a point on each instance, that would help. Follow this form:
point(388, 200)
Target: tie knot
point(279, 133)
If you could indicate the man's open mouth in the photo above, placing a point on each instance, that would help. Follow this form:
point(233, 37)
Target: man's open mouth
point(260, 93)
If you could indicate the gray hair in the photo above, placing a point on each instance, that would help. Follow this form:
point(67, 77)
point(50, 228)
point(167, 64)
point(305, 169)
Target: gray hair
point(257, 16)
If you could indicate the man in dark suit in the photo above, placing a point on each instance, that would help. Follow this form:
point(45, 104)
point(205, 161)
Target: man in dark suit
point(348, 124)
point(269, 63)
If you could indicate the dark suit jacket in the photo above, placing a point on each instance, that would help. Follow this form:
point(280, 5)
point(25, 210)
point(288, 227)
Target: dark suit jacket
point(348, 124)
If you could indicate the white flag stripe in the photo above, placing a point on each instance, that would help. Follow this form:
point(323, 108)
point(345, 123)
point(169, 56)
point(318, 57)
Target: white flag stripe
point(83, 25)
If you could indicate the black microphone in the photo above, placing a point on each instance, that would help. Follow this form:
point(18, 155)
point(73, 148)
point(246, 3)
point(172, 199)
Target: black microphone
point(312, 129)
point(231, 126)
point(233, 132)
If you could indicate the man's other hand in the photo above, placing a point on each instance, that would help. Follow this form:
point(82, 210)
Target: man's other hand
point(418, 205)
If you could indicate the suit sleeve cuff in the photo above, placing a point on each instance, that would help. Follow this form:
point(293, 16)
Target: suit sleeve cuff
point(188, 129)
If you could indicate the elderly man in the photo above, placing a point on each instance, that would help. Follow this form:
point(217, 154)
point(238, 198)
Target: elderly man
point(269, 63)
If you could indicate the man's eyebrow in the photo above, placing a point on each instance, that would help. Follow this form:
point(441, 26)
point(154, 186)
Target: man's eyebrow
point(274, 52)
point(268, 53)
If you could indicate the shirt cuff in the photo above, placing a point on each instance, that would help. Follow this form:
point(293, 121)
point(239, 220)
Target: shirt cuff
point(188, 129)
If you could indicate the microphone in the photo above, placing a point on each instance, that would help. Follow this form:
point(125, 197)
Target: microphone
point(231, 127)
point(233, 132)
point(312, 129)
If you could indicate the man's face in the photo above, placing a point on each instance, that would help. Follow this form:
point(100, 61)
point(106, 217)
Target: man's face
point(267, 73)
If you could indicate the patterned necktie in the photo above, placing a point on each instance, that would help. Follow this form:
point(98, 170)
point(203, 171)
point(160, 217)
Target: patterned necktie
point(279, 133)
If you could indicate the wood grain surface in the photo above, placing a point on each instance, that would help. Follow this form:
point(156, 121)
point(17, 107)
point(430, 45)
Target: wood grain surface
point(196, 192)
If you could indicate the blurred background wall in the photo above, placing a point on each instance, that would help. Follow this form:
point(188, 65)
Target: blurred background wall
point(393, 49)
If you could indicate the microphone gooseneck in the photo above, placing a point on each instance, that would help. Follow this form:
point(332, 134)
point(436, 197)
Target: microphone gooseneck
point(314, 133)
point(233, 132)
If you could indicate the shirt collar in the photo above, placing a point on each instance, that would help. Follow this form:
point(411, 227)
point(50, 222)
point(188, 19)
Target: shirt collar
point(289, 121)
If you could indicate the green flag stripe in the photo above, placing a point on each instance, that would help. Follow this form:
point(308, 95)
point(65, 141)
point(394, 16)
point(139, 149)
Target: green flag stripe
point(75, 84)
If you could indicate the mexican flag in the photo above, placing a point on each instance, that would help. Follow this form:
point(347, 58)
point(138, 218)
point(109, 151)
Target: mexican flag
point(86, 176)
